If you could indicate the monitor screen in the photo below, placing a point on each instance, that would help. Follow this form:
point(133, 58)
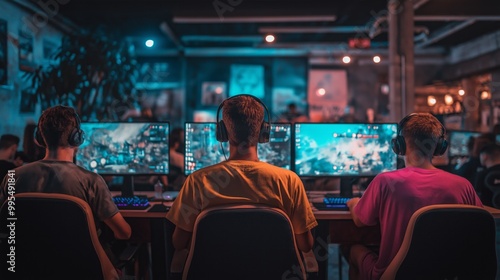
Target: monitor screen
point(458, 142)
point(203, 149)
point(125, 148)
point(341, 149)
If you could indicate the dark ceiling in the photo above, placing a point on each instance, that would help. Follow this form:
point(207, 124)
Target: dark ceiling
point(303, 24)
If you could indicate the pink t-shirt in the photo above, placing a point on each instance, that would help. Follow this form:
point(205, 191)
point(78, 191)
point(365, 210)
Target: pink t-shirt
point(393, 197)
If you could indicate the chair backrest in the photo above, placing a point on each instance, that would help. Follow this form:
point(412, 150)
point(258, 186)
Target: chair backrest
point(55, 238)
point(243, 242)
point(447, 241)
point(492, 183)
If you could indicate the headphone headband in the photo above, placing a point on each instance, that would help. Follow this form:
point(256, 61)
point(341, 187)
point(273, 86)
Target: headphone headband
point(249, 95)
point(76, 136)
point(399, 144)
point(221, 131)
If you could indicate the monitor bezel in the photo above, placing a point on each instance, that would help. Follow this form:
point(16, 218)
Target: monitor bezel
point(291, 150)
point(450, 132)
point(133, 174)
point(345, 176)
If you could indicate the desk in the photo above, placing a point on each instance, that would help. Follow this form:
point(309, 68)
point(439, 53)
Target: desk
point(327, 232)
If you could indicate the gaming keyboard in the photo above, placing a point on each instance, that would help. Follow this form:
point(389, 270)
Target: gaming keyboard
point(132, 202)
point(333, 203)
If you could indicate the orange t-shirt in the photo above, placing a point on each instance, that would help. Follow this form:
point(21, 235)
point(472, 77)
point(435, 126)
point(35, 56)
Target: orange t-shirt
point(242, 182)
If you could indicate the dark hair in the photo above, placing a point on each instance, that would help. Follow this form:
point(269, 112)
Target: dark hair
point(175, 136)
point(22, 156)
point(56, 124)
point(243, 117)
point(491, 149)
point(482, 141)
point(8, 140)
point(422, 132)
point(32, 151)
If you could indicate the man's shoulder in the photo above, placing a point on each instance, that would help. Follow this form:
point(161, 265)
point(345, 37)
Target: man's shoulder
point(7, 164)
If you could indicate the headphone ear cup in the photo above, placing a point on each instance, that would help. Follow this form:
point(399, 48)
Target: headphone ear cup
point(76, 138)
point(221, 132)
point(38, 139)
point(399, 145)
point(441, 147)
point(265, 132)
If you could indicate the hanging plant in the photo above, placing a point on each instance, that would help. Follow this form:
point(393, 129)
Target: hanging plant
point(93, 73)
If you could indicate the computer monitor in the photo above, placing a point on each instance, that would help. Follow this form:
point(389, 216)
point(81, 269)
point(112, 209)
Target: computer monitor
point(458, 142)
point(203, 149)
point(341, 149)
point(125, 149)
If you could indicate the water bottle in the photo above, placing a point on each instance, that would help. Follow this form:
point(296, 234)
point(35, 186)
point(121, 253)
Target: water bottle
point(158, 190)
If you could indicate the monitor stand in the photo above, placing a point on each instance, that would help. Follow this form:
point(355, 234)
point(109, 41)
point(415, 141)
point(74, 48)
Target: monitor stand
point(128, 186)
point(346, 186)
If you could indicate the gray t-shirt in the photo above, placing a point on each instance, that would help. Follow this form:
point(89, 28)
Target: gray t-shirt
point(64, 177)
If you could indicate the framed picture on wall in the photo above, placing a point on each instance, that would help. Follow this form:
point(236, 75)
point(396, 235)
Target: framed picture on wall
point(26, 56)
point(247, 79)
point(3, 52)
point(327, 94)
point(213, 93)
point(28, 101)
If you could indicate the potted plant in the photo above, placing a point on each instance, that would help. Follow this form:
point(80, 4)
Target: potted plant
point(94, 73)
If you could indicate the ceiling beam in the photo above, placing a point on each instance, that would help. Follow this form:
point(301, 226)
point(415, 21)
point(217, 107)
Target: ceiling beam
point(208, 38)
point(254, 19)
point(418, 3)
point(455, 18)
point(332, 29)
point(445, 32)
point(165, 28)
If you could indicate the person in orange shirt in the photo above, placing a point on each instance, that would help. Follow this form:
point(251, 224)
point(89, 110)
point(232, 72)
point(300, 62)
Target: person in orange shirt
point(242, 178)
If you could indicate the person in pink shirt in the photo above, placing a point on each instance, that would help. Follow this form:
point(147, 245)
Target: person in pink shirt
point(392, 197)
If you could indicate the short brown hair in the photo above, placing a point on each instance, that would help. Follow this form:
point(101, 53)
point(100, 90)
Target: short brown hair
point(243, 117)
point(8, 140)
point(422, 132)
point(55, 125)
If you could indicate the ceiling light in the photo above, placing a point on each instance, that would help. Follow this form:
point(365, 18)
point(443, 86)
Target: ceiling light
point(448, 99)
point(149, 43)
point(461, 92)
point(376, 59)
point(346, 59)
point(431, 100)
point(485, 95)
point(321, 92)
point(269, 38)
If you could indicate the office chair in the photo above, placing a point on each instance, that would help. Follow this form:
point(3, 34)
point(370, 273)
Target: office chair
point(243, 242)
point(55, 238)
point(447, 241)
point(492, 183)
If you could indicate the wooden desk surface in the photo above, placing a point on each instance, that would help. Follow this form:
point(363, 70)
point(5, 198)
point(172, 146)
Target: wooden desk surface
point(312, 195)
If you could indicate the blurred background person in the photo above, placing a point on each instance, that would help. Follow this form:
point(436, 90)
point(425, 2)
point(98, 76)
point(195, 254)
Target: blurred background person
point(292, 115)
point(32, 151)
point(8, 148)
point(468, 167)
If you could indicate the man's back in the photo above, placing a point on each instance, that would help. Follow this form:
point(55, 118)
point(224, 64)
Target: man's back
point(393, 197)
point(243, 182)
point(50, 176)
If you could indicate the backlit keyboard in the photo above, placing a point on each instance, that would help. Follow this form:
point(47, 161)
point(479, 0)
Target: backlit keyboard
point(131, 203)
point(333, 203)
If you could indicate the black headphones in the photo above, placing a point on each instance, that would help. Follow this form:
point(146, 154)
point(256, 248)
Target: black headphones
point(399, 144)
point(265, 128)
point(75, 139)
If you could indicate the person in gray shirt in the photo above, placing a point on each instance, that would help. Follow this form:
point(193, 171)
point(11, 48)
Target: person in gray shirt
point(60, 133)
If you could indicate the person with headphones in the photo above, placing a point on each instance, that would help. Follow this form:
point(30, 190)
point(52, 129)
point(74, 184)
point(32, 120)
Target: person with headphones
point(59, 132)
point(392, 197)
point(242, 178)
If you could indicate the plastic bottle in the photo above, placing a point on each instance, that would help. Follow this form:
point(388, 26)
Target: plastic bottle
point(158, 190)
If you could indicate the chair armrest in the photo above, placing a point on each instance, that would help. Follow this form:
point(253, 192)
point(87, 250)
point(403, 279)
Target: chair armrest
point(128, 253)
point(310, 262)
